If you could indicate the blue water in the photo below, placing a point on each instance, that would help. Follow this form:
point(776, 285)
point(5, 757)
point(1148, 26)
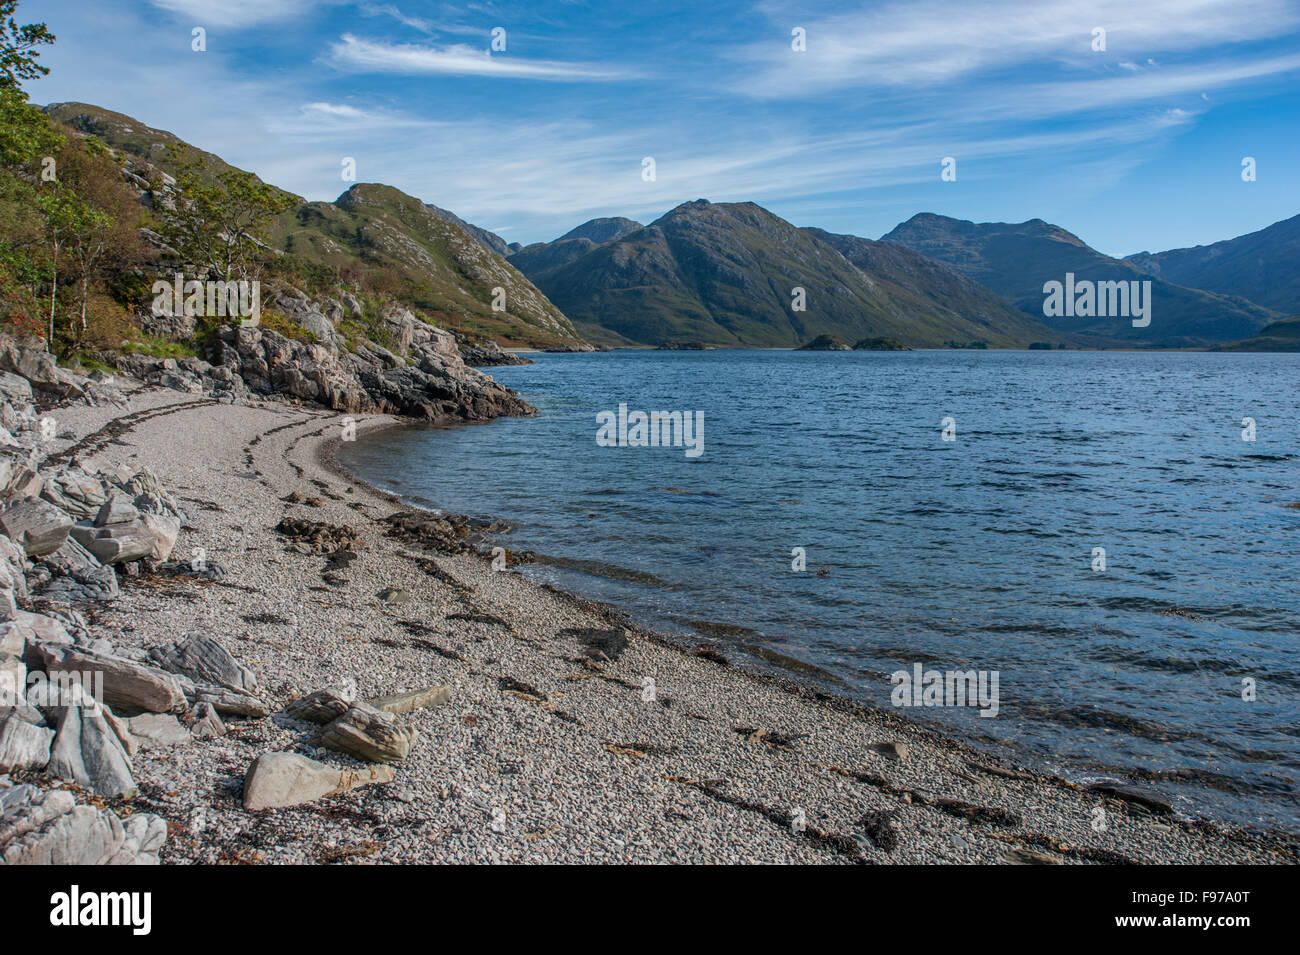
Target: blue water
point(970, 554)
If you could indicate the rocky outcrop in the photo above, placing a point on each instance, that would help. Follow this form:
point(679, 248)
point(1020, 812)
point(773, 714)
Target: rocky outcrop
point(824, 343)
point(487, 354)
point(418, 373)
point(47, 827)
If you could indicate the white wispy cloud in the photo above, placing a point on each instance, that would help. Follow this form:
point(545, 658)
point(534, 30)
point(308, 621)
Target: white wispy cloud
point(389, 10)
point(237, 13)
point(938, 42)
point(373, 56)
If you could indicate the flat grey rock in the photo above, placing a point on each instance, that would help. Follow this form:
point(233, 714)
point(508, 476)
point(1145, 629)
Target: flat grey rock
point(276, 780)
point(37, 526)
point(157, 730)
point(22, 745)
point(400, 703)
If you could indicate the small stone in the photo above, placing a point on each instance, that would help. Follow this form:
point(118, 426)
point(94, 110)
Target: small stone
point(395, 596)
point(894, 750)
point(205, 723)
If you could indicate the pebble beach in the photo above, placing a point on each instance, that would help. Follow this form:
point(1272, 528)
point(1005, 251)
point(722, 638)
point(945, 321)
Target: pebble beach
point(566, 732)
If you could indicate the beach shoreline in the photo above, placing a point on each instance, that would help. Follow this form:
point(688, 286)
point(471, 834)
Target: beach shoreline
point(553, 746)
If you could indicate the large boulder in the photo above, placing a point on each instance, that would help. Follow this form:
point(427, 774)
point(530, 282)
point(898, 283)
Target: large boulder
point(73, 490)
point(286, 779)
point(22, 744)
point(205, 661)
point(37, 526)
point(15, 388)
point(127, 685)
point(115, 543)
point(88, 749)
point(370, 734)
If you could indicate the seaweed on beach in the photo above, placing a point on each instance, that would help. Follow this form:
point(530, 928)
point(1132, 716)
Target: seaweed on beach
point(833, 841)
point(319, 537)
point(481, 618)
point(975, 815)
point(443, 534)
point(878, 824)
point(599, 644)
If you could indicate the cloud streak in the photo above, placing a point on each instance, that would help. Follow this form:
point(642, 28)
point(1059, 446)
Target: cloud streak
point(934, 42)
point(373, 56)
point(236, 13)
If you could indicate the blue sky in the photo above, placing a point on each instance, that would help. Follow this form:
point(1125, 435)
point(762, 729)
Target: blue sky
point(1135, 147)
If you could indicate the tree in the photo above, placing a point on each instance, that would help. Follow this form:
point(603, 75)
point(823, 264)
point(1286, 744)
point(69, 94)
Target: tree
point(106, 235)
point(67, 217)
point(18, 47)
point(217, 222)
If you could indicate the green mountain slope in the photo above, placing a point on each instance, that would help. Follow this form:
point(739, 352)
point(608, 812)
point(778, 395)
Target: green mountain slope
point(724, 273)
point(1280, 336)
point(1260, 266)
point(419, 257)
point(433, 264)
point(1016, 259)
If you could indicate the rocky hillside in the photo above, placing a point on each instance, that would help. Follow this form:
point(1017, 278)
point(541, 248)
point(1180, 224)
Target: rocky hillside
point(1260, 266)
point(725, 273)
point(928, 286)
point(489, 240)
point(603, 230)
point(436, 266)
point(429, 263)
point(1016, 259)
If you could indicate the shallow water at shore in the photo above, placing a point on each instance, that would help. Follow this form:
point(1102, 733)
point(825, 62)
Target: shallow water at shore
point(970, 554)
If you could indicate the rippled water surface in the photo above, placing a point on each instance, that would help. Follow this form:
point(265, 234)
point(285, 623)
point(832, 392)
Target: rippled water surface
point(971, 554)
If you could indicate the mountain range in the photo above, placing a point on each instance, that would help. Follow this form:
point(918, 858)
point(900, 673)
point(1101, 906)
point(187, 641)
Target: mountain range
point(1015, 260)
point(735, 274)
point(730, 274)
point(1261, 266)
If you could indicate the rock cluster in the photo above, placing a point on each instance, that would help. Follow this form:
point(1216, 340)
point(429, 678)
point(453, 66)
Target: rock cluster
point(74, 709)
point(489, 353)
point(417, 371)
point(367, 731)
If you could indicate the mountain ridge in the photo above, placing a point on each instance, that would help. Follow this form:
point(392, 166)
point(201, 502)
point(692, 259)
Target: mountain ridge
point(1016, 259)
point(726, 274)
